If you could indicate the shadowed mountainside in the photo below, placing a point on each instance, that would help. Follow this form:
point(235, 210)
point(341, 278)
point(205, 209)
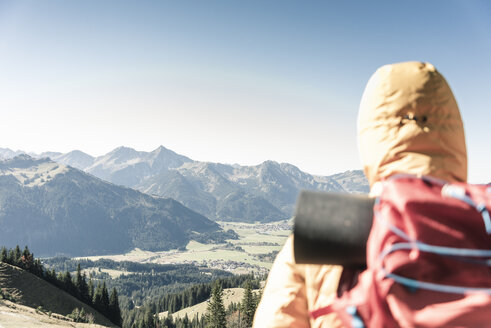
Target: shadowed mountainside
point(56, 209)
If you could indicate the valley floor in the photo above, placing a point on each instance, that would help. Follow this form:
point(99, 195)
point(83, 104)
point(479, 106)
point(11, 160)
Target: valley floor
point(254, 251)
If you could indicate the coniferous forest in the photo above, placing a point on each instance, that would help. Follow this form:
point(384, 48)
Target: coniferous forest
point(148, 289)
point(79, 286)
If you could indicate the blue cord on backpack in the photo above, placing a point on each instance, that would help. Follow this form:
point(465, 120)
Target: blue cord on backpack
point(459, 193)
point(485, 215)
point(412, 284)
point(356, 322)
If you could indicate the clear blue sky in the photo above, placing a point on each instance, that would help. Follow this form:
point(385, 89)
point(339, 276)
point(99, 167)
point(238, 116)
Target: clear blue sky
point(229, 81)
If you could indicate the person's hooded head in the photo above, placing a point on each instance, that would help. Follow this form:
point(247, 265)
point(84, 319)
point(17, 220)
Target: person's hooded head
point(409, 123)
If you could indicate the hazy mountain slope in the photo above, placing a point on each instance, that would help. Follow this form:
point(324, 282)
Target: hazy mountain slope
point(32, 291)
point(239, 205)
point(275, 186)
point(352, 181)
point(75, 158)
point(265, 192)
point(171, 183)
point(6, 153)
point(58, 209)
point(279, 184)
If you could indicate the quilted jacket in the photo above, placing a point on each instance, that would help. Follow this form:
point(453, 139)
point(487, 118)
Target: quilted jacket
point(408, 122)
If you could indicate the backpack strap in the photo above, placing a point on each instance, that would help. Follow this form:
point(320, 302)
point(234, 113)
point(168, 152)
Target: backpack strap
point(322, 311)
point(458, 192)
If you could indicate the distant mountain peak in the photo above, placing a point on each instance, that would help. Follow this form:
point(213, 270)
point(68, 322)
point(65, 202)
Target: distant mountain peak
point(269, 163)
point(159, 149)
point(50, 154)
point(270, 167)
point(75, 158)
point(78, 152)
point(6, 153)
point(123, 150)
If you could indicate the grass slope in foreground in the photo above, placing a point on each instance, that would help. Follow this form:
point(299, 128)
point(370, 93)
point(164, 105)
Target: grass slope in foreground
point(28, 290)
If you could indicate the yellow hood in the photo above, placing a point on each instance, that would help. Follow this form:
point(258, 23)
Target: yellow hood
point(409, 122)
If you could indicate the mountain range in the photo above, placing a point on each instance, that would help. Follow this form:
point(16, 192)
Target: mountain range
point(58, 209)
point(265, 192)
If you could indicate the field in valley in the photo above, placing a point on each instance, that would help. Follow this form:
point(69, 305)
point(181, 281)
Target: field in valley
point(254, 251)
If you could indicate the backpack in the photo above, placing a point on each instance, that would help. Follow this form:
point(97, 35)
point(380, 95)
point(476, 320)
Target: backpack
point(428, 258)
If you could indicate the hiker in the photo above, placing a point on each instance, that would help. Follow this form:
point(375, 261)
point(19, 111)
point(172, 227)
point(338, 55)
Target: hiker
point(408, 122)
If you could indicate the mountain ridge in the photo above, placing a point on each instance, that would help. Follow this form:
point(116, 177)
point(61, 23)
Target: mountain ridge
point(55, 208)
point(270, 188)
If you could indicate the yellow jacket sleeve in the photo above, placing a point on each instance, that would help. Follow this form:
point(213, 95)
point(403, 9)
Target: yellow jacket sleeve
point(293, 290)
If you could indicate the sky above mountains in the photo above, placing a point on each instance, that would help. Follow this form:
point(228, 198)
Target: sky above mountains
point(228, 81)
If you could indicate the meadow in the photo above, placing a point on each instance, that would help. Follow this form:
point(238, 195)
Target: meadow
point(253, 251)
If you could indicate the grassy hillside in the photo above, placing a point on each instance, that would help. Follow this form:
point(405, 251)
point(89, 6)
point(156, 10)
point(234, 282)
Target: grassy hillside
point(14, 315)
point(230, 295)
point(28, 290)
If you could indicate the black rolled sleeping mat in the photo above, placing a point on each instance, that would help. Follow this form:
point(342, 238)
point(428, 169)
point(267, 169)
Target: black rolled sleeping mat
point(332, 228)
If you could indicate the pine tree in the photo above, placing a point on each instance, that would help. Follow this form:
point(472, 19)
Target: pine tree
point(216, 311)
point(37, 268)
point(114, 310)
point(105, 299)
point(51, 276)
point(27, 259)
point(91, 291)
point(82, 315)
point(17, 256)
point(149, 319)
point(248, 305)
point(168, 322)
point(84, 290)
point(78, 282)
point(172, 304)
point(185, 321)
point(81, 286)
point(26, 252)
point(3, 254)
point(68, 284)
point(97, 298)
